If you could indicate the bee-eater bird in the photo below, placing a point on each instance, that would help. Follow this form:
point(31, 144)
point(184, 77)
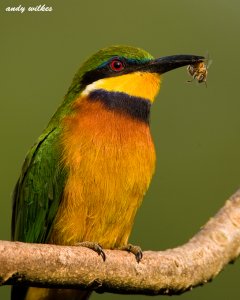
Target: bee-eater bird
point(85, 177)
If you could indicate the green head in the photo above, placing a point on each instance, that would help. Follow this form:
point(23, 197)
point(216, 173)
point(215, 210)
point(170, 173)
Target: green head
point(97, 62)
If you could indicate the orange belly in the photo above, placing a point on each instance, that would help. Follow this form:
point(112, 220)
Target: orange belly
point(110, 159)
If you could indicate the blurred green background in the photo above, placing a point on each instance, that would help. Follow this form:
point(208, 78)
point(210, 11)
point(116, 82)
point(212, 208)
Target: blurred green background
point(196, 129)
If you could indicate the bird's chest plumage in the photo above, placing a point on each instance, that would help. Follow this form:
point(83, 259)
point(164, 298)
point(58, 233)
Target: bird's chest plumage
point(110, 159)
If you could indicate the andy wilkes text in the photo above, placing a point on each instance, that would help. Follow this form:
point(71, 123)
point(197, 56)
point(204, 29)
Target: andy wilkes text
point(21, 9)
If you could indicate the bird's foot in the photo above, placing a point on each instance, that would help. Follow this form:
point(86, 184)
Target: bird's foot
point(93, 246)
point(136, 250)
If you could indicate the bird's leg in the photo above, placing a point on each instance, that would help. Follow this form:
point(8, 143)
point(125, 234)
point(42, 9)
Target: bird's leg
point(136, 250)
point(93, 246)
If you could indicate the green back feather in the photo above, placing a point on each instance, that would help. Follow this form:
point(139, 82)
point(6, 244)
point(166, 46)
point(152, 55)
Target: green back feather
point(38, 191)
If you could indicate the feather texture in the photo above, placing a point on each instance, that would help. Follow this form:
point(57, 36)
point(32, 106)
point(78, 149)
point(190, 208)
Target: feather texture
point(110, 160)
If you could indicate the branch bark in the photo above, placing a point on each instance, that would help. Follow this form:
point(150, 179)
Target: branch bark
point(163, 272)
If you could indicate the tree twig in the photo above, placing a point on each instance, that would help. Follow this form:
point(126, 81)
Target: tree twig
point(163, 272)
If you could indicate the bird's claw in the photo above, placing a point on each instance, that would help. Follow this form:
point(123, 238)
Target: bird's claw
point(95, 247)
point(136, 250)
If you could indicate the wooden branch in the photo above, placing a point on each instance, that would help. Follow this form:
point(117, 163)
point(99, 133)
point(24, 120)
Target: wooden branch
point(164, 272)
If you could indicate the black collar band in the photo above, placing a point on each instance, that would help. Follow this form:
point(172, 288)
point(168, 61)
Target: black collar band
point(135, 107)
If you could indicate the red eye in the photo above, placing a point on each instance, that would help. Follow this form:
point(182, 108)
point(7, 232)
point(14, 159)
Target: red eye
point(116, 65)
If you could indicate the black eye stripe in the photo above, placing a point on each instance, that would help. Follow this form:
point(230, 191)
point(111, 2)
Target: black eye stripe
point(105, 70)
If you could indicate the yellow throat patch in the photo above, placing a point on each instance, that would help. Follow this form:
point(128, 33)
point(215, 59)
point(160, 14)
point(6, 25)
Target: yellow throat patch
point(138, 84)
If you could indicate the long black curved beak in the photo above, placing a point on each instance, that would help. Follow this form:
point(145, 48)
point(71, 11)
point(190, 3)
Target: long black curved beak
point(167, 63)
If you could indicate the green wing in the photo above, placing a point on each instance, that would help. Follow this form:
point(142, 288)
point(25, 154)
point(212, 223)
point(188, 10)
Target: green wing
point(38, 192)
point(37, 195)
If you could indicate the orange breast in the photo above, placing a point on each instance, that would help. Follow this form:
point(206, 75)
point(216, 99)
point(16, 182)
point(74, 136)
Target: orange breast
point(110, 159)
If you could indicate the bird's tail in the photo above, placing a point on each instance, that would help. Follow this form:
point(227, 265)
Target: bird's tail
point(33, 293)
